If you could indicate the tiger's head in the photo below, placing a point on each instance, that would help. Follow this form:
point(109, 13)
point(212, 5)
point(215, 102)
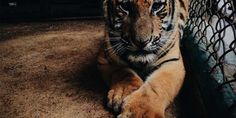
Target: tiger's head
point(141, 30)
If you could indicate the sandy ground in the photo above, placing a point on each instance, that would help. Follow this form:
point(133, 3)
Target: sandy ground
point(49, 70)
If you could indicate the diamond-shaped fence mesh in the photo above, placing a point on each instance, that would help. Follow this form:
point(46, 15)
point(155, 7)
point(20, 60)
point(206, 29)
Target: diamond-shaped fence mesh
point(213, 27)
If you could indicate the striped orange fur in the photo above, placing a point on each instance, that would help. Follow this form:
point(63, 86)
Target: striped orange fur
point(141, 60)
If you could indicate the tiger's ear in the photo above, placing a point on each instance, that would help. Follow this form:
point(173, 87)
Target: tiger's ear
point(109, 13)
point(105, 10)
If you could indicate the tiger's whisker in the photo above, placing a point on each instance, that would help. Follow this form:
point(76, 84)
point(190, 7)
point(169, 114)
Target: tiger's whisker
point(111, 47)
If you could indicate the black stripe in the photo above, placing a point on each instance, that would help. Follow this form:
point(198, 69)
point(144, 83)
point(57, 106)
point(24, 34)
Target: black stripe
point(173, 9)
point(182, 4)
point(173, 59)
point(181, 27)
point(181, 16)
point(180, 37)
point(169, 8)
point(170, 27)
point(163, 15)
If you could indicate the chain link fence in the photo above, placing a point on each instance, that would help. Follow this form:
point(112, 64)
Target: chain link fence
point(212, 24)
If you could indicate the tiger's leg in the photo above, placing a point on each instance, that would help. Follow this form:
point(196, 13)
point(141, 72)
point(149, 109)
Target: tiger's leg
point(158, 91)
point(121, 81)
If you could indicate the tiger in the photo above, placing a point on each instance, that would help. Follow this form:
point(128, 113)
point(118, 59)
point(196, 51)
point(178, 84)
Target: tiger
point(140, 60)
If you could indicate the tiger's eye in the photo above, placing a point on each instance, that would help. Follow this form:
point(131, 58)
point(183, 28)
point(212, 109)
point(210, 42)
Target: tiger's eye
point(157, 7)
point(125, 6)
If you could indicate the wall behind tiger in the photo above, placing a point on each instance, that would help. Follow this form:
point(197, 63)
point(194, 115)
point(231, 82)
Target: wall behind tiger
point(44, 9)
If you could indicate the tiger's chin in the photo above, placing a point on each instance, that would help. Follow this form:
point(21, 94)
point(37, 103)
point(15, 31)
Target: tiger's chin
point(142, 58)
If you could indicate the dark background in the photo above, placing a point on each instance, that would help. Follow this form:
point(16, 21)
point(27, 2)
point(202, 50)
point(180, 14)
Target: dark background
point(46, 9)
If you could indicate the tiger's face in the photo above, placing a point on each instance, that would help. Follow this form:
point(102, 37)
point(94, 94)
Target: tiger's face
point(141, 30)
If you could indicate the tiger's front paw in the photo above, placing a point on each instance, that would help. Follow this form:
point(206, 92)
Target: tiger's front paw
point(138, 105)
point(117, 94)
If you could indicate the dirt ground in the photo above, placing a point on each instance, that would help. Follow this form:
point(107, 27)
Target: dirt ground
point(48, 70)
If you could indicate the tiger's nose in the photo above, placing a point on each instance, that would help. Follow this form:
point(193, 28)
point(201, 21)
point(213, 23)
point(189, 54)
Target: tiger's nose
point(141, 44)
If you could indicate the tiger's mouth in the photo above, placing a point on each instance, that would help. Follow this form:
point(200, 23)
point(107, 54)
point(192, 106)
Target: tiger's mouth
point(130, 52)
point(140, 52)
